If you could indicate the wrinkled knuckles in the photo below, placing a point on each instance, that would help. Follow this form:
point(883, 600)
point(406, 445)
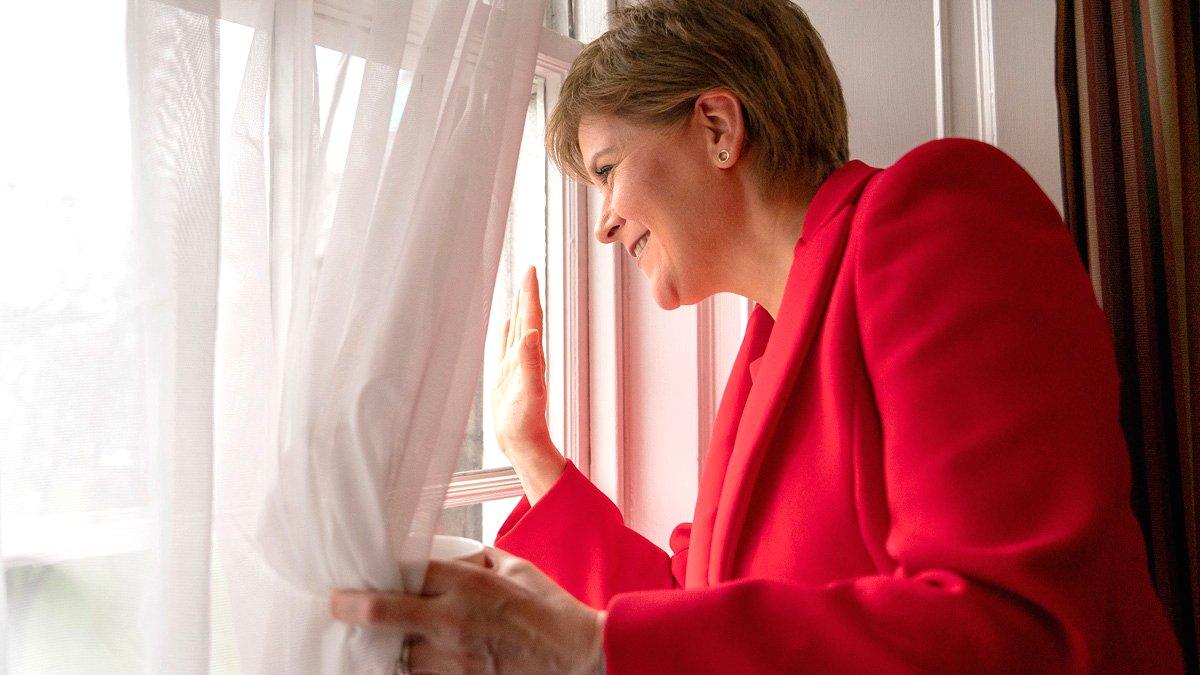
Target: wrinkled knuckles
point(513, 566)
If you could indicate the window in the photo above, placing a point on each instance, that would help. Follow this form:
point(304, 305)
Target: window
point(544, 209)
point(75, 486)
point(546, 228)
point(69, 552)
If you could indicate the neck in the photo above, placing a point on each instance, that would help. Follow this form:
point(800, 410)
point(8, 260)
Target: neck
point(763, 258)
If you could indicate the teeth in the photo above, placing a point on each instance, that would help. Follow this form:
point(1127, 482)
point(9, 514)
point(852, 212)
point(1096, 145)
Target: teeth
point(640, 245)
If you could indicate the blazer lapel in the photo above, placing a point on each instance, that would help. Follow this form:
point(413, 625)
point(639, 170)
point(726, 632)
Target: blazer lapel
point(816, 261)
point(724, 432)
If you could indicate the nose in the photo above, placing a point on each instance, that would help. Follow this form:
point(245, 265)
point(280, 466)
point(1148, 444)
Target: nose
point(608, 225)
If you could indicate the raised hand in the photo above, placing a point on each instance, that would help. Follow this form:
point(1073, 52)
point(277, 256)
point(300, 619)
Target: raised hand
point(519, 399)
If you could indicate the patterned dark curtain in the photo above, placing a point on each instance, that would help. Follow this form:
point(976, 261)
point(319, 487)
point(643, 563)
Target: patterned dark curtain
point(1126, 77)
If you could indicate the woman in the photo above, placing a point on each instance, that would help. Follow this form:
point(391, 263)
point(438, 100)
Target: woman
point(917, 463)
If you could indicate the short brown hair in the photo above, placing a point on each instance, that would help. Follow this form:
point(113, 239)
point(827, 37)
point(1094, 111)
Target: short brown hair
point(658, 57)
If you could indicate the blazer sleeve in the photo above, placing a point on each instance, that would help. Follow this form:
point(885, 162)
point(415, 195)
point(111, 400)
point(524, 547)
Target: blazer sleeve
point(576, 535)
point(1006, 474)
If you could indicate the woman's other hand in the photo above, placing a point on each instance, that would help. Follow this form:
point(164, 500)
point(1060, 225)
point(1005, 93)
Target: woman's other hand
point(506, 617)
point(519, 399)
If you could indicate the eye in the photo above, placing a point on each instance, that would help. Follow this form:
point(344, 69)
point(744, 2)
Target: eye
point(603, 173)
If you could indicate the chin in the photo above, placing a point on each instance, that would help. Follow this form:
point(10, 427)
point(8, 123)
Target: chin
point(671, 299)
point(668, 305)
point(666, 299)
point(669, 296)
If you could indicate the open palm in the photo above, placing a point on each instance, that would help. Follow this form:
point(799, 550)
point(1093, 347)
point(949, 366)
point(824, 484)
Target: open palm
point(519, 398)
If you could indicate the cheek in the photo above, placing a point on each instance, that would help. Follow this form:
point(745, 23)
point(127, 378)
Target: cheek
point(649, 193)
point(632, 197)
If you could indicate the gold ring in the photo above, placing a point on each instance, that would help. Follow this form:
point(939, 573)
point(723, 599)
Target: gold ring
point(402, 661)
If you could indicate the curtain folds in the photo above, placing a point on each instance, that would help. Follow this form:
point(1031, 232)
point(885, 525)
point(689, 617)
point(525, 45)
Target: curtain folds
point(173, 57)
point(251, 386)
point(1127, 91)
point(361, 240)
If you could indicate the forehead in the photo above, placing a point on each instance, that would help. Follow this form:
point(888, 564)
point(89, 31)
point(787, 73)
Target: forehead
point(598, 133)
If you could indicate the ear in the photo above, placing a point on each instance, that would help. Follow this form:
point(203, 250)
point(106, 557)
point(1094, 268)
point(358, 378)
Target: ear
point(719, 114)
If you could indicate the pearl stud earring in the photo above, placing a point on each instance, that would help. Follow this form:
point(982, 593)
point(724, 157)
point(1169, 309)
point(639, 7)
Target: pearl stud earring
point(723, 156)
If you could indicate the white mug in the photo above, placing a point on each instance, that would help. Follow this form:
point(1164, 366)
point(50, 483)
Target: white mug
point(449, 547)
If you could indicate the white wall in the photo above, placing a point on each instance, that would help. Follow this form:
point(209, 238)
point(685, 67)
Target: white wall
point(985, 71)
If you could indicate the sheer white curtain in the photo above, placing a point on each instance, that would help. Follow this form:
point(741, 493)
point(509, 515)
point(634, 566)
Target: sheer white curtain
point(297, 328)
point(359, 348)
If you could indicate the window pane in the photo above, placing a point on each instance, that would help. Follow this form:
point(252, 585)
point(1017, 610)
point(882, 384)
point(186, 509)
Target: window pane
point(63, 617)
point(524, 245)
point(558, 17)
point(74, 404)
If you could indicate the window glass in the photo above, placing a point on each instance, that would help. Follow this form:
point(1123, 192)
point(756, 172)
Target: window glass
point(524, 245)
point(74, 409)
point(75, 468)
point(558, 16)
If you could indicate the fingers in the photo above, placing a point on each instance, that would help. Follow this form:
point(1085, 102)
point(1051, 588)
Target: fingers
point(531, 354)
point(513, 326)
point(533, 319)
point(384, 609)
point(532, 301)
point(525, 320)
point(451, 595)
point(526, 309)
point(442, 576)
point(533, 363)
point(542, 363)
point(504, 339)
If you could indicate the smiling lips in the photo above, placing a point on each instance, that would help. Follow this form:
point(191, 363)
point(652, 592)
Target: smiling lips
point(640, 246)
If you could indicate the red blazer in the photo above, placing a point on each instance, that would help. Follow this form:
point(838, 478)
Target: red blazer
point(917, 468)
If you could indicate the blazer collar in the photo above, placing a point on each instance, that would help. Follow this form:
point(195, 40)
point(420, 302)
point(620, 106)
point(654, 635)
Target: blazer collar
point(816, 261)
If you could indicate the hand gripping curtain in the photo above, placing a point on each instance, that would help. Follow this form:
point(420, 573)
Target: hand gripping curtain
point(362, 217)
